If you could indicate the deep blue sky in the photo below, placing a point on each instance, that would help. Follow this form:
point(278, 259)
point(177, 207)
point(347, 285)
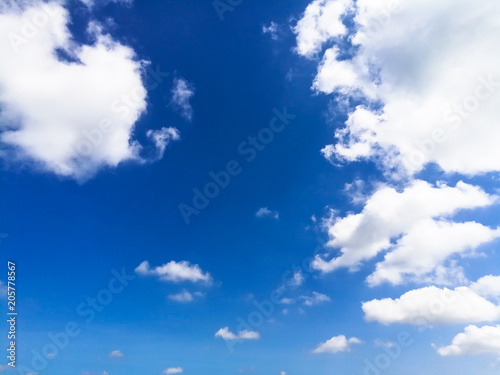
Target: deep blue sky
point(67, 237)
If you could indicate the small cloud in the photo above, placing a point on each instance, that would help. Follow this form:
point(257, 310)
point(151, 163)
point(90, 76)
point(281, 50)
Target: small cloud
point(297, 279)
point(315, 299)
point(162, 138)
point(173, 370)
point(384, 344)
point(182, 92)
point(265, 212)
point(336, 344)
point(226, 334)
point(283, 373)
point(272, 29)
point(185, 296)
point(175, 272)
point(287, 301)
point(116, 354)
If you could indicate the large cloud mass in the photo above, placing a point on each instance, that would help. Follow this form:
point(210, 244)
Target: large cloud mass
point(428, 73)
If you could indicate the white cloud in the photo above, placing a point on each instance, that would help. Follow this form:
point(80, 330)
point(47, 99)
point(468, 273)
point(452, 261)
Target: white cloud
point(173, 370)
point(185, 296)
point(69, 118)
point(162, 138)
point(413, 225)
point(315, 299)
point(321, 22)
point(429, 73)
point(265, 212)
point(297, 279)
point(182, 92)
point(287, 301)
point(116, 354)
point(487, 286)
point(336, 344)
point(475, 340)
point(272, 29)
point(175, 272)
point(226, 334)
point(431, 305)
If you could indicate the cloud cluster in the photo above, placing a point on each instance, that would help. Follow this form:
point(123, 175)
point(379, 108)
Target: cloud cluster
point(427, 75)
point(413, 225)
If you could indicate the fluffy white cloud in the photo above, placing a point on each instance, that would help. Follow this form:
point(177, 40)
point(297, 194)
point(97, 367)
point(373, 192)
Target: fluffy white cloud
point(175, 272)
point(183, 296)
point(265, 212)
point(474, 340)
point(116, 354)
point(429, 74)
point(321, 22)
point(70, 116)
point(182, 92)
point(487, 286)
point(431, 305)
point(173, 370)
point(315, 299)
point(429, 244)
point(417, 219)
point(336, 344)
point(226, 334)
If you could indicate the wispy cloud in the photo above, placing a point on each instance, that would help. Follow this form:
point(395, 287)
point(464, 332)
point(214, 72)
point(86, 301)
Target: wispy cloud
point(265, 212)
point(182, 92)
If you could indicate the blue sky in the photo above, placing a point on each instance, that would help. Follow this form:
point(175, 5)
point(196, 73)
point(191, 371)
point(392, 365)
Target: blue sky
point(355, 226)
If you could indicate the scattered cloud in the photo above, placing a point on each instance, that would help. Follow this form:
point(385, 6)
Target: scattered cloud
point(431, 305)
point(100, 85)
point(475, 340)
point(175, 272)
point(336, 344)
point(173, 370)
point(225, 334)
point(182, 92)
point(265, 212)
